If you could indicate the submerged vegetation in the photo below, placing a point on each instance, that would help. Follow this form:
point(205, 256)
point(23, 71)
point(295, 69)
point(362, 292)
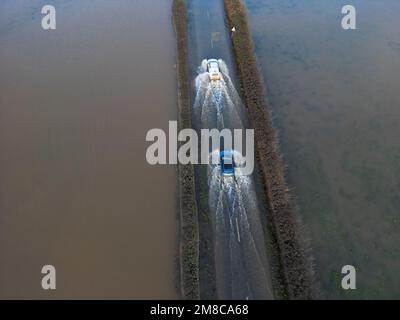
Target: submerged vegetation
point(189, 233)
point(297, 273)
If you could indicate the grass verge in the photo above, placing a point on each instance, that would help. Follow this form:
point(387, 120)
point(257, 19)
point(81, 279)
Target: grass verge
point(189, 230)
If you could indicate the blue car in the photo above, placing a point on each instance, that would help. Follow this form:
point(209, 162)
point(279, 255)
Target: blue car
point(227, 163)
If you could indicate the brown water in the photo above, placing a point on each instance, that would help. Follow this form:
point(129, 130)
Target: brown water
point(336, 103)
point(75, 188)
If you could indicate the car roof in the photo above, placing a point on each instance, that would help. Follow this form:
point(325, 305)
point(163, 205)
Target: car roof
point(226, 153)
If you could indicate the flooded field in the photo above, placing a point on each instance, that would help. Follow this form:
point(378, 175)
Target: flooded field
point(334, 95)
point(76, 191)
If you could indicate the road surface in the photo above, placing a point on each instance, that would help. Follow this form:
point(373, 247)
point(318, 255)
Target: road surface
point(241, 264)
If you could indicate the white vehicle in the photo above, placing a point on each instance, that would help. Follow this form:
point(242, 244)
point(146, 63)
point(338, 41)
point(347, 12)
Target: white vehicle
point(213, 69)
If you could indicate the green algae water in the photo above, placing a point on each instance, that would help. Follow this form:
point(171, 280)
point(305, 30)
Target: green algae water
point(335, 99)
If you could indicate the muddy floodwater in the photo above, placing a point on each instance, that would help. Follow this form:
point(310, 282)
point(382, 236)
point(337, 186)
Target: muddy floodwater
point(76, 191)
point(336, 104)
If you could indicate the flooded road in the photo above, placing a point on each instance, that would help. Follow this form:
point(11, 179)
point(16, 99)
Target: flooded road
point(208, 36)
point(231, 235)
point(76, 191)
point(335, 98)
